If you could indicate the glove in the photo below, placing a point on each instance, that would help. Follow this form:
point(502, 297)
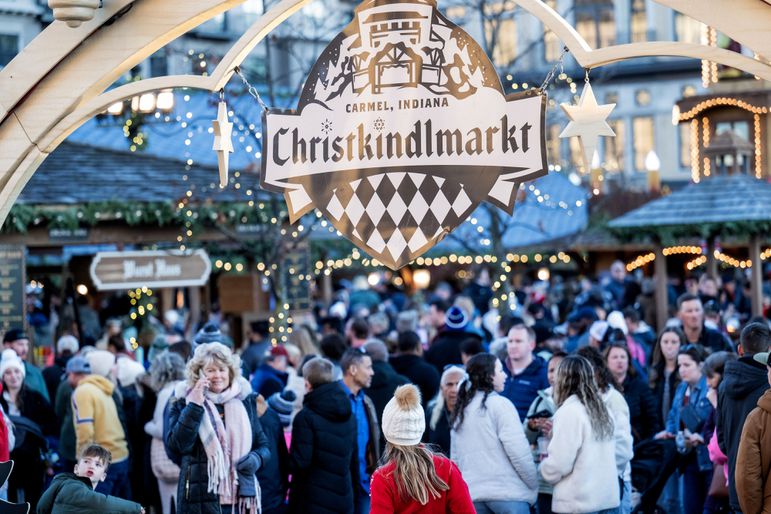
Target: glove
point(249, 464)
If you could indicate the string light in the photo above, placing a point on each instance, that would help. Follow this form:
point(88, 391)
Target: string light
point(695, 150)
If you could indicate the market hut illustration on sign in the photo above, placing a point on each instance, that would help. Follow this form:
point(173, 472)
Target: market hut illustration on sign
point(401, 131)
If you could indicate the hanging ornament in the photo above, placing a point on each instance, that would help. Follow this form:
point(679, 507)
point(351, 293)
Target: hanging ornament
point(587, 121)
point(223, 145)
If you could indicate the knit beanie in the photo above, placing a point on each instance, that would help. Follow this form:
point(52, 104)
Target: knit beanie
point(283, 403)
point(455, 318)
point(11, 360)
point(101, 362)
point(210, 333)
point(404, 420)
point(67, 343)
point(598, 330)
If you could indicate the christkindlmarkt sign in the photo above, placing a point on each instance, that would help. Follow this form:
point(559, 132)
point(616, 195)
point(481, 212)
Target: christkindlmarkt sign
point(402, 129)
point(154, 269)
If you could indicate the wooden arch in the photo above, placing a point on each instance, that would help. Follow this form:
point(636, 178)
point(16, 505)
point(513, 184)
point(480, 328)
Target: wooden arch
point(59, 80)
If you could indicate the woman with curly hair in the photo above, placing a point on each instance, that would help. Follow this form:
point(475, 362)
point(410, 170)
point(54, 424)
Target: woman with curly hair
point(489, 444)
point(414, 479)
point(581, 460)
point(213, 425)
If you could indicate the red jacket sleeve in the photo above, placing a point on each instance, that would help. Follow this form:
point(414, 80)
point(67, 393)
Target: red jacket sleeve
point(381, 499)
point(458, 497)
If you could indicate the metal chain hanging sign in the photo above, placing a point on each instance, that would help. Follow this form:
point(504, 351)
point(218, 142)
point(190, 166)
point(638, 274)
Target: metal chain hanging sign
point(401, 131)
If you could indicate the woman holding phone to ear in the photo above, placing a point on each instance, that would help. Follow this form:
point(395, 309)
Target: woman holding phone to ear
point(214, 426)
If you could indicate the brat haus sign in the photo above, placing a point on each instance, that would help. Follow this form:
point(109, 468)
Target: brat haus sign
point(401, 131)
point(154, 269)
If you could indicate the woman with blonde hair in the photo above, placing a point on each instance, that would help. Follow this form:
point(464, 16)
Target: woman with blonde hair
point(215, 429)
point(414, 479)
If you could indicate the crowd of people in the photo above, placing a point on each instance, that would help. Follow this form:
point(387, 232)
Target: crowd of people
point(564, 401)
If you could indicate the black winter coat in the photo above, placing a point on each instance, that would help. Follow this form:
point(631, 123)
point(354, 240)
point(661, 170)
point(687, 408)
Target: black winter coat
point(445, 349)
point(183, 439)
point(419, 372)
point(323, 459)
point(274, 474)
point(643, 408)
point(744, 382)
point(384, 383)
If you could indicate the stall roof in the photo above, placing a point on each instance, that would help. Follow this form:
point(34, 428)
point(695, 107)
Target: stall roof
point(719, 199)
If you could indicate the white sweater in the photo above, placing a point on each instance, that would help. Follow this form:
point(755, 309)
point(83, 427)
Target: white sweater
point(582, 469)
point(622, 434)
point(492, 452)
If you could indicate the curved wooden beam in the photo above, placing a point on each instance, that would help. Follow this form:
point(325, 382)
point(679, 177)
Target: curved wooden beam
point(39, 57)
point(214, 82)
point(745, 21)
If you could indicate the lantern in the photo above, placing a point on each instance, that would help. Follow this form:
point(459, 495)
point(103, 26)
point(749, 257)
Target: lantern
point(73, 12)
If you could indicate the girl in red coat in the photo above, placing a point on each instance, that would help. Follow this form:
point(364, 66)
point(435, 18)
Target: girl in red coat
point(414, 479)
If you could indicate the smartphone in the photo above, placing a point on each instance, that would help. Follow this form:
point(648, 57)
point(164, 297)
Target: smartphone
point(540, 414)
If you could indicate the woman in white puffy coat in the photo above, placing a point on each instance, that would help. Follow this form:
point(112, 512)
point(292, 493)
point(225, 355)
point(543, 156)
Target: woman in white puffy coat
point(488, 442)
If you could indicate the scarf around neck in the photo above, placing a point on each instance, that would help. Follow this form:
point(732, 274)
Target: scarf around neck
point(226, 443)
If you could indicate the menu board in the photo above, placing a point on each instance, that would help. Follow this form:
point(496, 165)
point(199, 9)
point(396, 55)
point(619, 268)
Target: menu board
point(12, 298)
point(295, 278)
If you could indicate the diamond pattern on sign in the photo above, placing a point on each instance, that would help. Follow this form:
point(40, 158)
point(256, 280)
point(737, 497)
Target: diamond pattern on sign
point(375, 209)
point(417, 240)
point(356, 234)
point(439, 181)
point(440, 206)
point(418, 207)
point(354, 209)
point(355, 184)
point(396, 178)
point(417, 178)
point(375, 180)
point(335, 208)
point(396, 208)
point(385, 190)
point(376, 241)
point(462, 203)
point(396, 244)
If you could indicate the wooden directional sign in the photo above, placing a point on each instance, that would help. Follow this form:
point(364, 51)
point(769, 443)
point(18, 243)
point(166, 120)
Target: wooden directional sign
point(12, 297)
point(154, 269)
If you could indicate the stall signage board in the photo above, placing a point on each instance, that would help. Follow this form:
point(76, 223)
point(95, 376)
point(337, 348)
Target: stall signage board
point(401, 131)
point(12, 282)
point(154, 269)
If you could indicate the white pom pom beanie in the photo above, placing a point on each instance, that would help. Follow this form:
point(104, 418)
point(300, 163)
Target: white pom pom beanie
point(404, 420)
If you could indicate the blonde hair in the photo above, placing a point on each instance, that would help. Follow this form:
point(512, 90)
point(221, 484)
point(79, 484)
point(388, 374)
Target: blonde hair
point(302, 337)
point(208, 353)
point(414, 472)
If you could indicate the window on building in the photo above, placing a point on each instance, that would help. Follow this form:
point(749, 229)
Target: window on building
point(638, 22)
point(684, 131)
point(159, 66)
point(740, 128)
point(688, 91)
point(576, 155)
point(456, 12)
point(501, 34)
point(611, 97)
point(642, 97)
point(614, 147)
point(553, 154)
point(9, 47)
point(595, 22)
point(687, 29)
point(552, 46)
point(642, 132)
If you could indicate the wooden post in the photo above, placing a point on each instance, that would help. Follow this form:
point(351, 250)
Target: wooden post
point(756, 274)
point(660, 277)
point(326, 288)
point(711, 260)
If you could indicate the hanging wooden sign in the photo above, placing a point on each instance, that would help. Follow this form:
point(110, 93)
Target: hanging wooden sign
point(155, 269)
point(401, 131)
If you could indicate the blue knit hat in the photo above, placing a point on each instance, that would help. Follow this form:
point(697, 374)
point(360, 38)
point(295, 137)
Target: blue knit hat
point(210, 333)
point(456, 318)
point(283, 404)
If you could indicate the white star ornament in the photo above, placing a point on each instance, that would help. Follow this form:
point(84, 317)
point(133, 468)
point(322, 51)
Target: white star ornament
point(587, 121)
point(223, 144)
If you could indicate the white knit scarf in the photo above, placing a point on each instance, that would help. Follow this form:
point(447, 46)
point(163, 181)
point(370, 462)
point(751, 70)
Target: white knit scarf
point(225, 447)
